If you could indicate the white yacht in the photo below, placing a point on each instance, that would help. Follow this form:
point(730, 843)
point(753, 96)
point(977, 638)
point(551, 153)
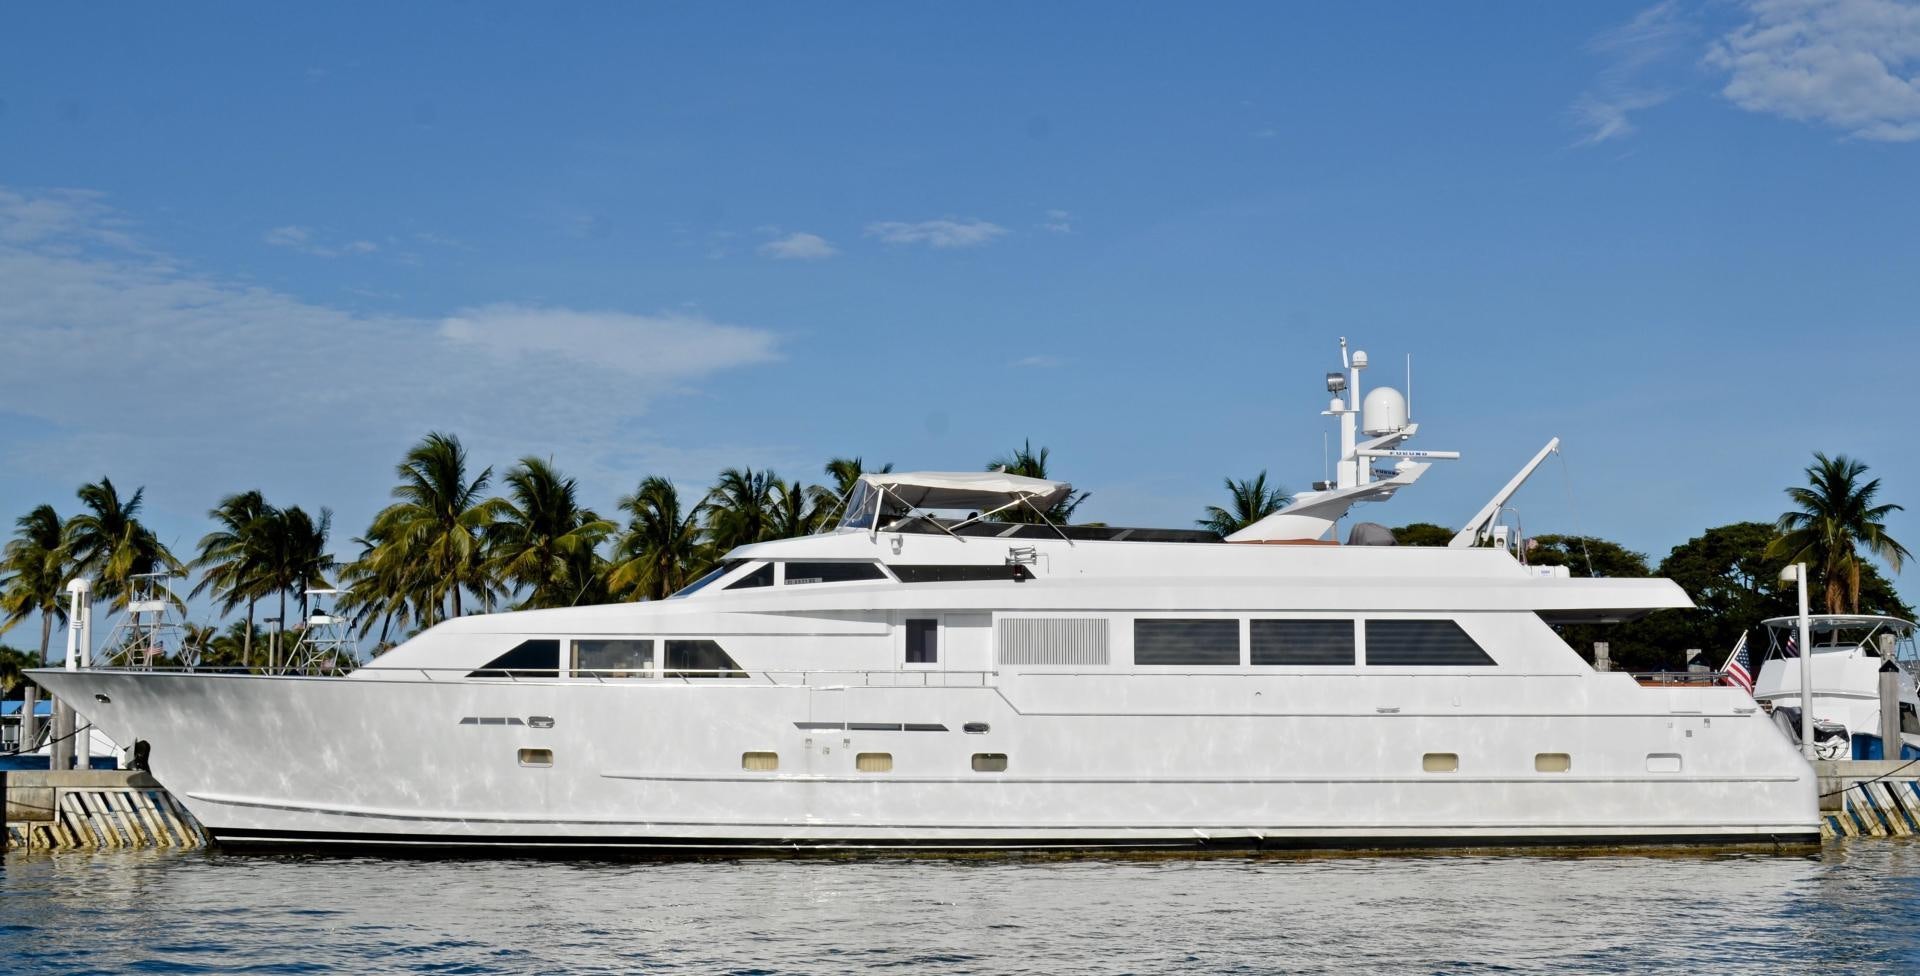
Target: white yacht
point(1849, 653)
point(921, 677)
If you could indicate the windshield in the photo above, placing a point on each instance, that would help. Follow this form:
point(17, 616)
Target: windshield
point(862, 504)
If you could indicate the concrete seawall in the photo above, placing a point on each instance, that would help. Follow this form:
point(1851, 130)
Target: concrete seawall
point(94, 809)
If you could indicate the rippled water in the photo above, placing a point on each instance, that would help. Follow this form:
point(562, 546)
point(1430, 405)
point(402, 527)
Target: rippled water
point(1853, 909)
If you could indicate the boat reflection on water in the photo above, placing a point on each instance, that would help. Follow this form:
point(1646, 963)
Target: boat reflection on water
point(1692, 913)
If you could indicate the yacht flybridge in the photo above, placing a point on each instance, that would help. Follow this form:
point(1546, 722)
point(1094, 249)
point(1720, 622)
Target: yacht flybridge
point(950, 668)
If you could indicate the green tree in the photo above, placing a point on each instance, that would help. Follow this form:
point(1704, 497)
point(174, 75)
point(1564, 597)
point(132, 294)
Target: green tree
point(799, 510)
point(1029, 463)
point(296, 560)
point(1834, 518)
point(433, 537)
point(661, 549)
point(13, 673)
point(545, 542)
point(232, 559)
point(842, 473)
point(1422, 534)
point(110, 543)
point(34, 569)
point(1248, 502)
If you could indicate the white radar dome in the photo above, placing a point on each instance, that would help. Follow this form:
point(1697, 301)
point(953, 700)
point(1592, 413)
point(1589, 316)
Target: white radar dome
point(1383, 411)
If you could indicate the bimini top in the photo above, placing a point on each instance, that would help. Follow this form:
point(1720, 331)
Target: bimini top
point(1824, 622)
point(981, 491)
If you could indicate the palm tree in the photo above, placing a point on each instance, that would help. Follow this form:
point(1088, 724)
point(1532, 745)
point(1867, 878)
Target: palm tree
point(798, 509)
point(1247, 502)
point(740, 508)
point(1029, 463)
point(109, 541)
point(33, 573)
point(1836, 515)
point(661, 551)
point(383, 585)
point(437, 528)
point(296, 559)
point(545, 542)
point(231, 559)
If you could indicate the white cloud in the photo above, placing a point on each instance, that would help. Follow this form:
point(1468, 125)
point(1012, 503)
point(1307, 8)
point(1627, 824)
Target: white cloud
point(121, 361)
point(1632, 51)
point(1853, 65)
point(1058, 222)
point(665, 347)
point(799, 246)
point(301, 239)
point(936, 233)
point(1035, 362)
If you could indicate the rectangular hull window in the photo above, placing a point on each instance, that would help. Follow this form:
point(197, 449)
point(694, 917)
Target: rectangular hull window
point(1663, 762)
point(1440, 762)
point(536, 757)
point(1188, 643)
point(1301, 642)
point(539, 658)
point(832, 572)
point(923, 642)
point(700, 659)
point(989, 762)
point(760, 762)
point(1552, 762)
point(613, 658)
point(874, 762)
point(1053, 640)
point(1421, 644)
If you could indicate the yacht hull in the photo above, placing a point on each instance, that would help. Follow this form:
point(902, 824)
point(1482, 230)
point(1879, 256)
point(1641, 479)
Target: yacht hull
point(1090, 762)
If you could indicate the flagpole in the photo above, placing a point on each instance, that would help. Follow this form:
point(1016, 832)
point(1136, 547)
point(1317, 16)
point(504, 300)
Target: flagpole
point(1798, 574)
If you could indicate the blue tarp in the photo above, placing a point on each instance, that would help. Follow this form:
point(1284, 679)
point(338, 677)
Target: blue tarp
point(42, 708)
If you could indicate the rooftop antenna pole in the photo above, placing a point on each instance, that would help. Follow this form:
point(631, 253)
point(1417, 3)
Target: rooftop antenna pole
point(1409, 387)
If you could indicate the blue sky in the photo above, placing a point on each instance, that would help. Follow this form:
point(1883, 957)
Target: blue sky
point(252, 246)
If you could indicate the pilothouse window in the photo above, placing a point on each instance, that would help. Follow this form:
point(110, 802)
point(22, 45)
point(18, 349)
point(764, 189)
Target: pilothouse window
point(712, 574)
point(923, 642)
point(759, 577)
point(537, 658)
point(1422, 643)
point(832, 572)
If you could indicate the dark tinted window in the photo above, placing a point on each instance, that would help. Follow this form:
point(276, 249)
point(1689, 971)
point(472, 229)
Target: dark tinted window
point(700, 659)
point(712, 574)
point(1186, 642)
point(832, 572)
point(613, 658)
point(923, 637)
point(538, 658)
point(759, 577)
point(1422, 643)
point(959, 574)
point(1280, 642)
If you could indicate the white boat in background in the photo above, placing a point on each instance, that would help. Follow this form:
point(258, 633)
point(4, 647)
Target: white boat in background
point(921, 678)
point(1849, 653)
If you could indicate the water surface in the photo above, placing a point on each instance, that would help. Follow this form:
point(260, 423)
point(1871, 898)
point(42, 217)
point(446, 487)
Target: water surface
point(1850, 910)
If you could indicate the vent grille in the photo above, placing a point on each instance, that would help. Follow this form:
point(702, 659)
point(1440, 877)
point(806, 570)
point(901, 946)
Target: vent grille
point(1053, 640)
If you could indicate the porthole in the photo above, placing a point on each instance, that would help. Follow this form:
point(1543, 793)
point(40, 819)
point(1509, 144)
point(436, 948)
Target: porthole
point(1552, 762)
point(760, 762)
point(874, 762)
point(536, 757)
point(1440, 762)
point(989, 762)
point(975, 728)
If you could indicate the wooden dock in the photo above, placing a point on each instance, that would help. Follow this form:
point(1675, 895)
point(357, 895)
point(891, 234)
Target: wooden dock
point(101, 809)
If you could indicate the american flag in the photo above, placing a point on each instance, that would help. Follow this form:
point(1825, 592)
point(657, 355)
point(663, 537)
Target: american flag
point(1792, 648)
point(1735, 672)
